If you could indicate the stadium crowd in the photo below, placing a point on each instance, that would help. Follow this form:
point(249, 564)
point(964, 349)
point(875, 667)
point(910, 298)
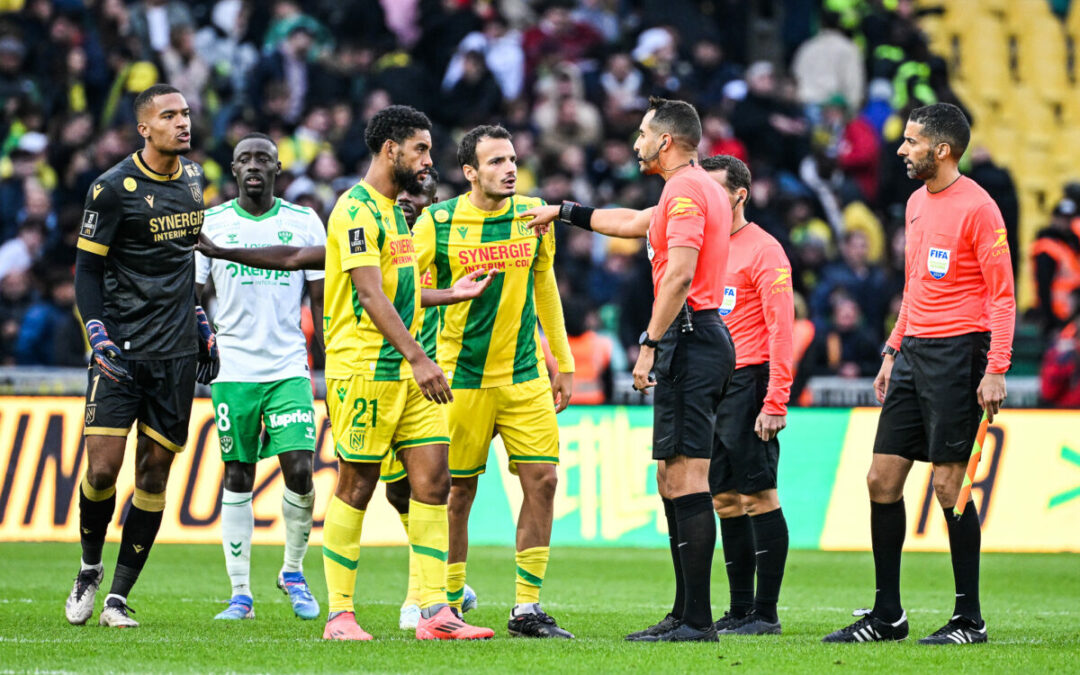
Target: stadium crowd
point(818, 123)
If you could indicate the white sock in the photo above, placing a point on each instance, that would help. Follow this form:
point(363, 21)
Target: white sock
point(297, 510)
point(83, 566)
point(237, 524)
point(525, 608)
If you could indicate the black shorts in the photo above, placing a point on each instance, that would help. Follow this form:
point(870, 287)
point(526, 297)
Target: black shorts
point(741, 461)
point(159, 397)
point(931, 411)
point(692, 371)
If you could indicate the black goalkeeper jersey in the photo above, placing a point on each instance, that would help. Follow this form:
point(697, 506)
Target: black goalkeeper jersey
point(145, 224)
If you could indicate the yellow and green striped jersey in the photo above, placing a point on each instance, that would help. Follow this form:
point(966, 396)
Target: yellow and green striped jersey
point(492, 340)
point(428, 332)
point(367, 229)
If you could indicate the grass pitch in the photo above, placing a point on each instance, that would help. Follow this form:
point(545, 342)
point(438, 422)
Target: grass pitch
point(1030, 603)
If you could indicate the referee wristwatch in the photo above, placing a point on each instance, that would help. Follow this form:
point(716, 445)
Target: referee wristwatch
point(645, 341)
point(889, 351)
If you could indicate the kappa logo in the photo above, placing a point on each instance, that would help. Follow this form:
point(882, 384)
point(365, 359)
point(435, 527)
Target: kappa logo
point(284, 236)
point(89, 224)
point(357, 241)
point(96, 191)
point(91, 413)
point(730, 298)
point(149, 200)
point(937, 262)
point(226, 444)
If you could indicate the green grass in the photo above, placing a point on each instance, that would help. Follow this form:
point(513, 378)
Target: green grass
point(1030, 602)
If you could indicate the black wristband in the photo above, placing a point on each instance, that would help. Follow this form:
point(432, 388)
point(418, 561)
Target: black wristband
point(577, 215)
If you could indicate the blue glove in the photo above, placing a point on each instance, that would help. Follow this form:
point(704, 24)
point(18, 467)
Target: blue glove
point(106, 355)
point(209, 362)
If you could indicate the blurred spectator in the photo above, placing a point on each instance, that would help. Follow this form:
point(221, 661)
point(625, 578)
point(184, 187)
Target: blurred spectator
point(621, 83)
point(600, 15)
point(718, 138)
point(184, 67)
point(853, 276)
point(152, 22)
point(565, 118)
point(854, 143)
point(710, 74)
point(474, 98)
point(557, 37)
point(15, 81)
point(1059, 385)
point(15, 299)
point(1056, 257)
point(774, 132)
point(593, 381)
point(50, 334)
point(502, 52)
point(830, 63)
point(287, 70)
point(842, 346)
point(18, 254)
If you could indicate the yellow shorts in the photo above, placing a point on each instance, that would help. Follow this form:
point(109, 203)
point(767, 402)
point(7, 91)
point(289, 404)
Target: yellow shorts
point(392, 469)
point(371, 419)
point(523, 414)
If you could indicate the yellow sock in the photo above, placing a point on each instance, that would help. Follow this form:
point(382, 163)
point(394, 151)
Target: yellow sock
point(429, 540)
point(341, 552)
point(412, 596)
point(531, 566)
point(455, 584)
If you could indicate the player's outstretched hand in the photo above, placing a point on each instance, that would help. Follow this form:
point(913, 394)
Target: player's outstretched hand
point(991, 393)
point(768, 426)
point(541, 218)
point(106, 355)
point(561, 389)
point(431, 380)
point(209, 360)
point(473, 284)
point(881, 382)
point(207, 247)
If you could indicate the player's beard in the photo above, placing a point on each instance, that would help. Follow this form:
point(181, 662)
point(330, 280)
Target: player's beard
point(407, 179)
point(924, 169)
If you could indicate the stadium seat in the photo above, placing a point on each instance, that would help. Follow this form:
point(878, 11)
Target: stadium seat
point(1041, 58)
point(984, 59)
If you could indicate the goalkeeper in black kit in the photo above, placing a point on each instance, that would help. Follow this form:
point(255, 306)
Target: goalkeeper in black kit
point(135, 289)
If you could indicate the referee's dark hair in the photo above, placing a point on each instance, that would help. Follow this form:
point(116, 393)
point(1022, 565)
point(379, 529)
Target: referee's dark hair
point(466, 152)
point(944, 123)
point(738, 174)
point(146, 96)
point(677, 118)
point(394, 123)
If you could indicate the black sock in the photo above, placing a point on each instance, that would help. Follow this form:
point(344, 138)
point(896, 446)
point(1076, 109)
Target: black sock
point(771, 547)
point(697, 540)
point(140, 530)
point(673, 542)
point(94, 517)
point(965, 541)
point(888, 524)
point(737, 536)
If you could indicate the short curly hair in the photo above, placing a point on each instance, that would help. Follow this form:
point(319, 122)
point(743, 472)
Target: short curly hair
point(394, 123)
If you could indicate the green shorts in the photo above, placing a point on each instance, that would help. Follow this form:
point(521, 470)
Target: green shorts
point(242, 409)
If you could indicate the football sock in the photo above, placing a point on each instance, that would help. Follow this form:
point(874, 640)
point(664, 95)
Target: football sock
point(737, 537)
point(965, 540)
point(341, 553)
point(297, 509)
point(429, 541)
point(140, 530)
point(888, 523)
point(237, 524)
point(95, 511)
point(412, 595)
point(673, 544)
point(697, 539)
point(770, 549)
point(455, 584)
point(531, 567)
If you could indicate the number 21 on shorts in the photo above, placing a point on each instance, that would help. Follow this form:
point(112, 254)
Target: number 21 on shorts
point(358, 432)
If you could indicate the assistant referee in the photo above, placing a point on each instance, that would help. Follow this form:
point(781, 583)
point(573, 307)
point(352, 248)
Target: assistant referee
point(944, 363)
point(686, 344)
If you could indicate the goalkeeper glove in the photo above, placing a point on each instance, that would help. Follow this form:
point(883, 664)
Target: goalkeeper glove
point(106, 355)
point(209, 361)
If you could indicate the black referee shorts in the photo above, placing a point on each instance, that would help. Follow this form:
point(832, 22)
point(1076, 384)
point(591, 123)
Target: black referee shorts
point(741, 461)
point(159, 397)
point(931, 411)
point(692, 371)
